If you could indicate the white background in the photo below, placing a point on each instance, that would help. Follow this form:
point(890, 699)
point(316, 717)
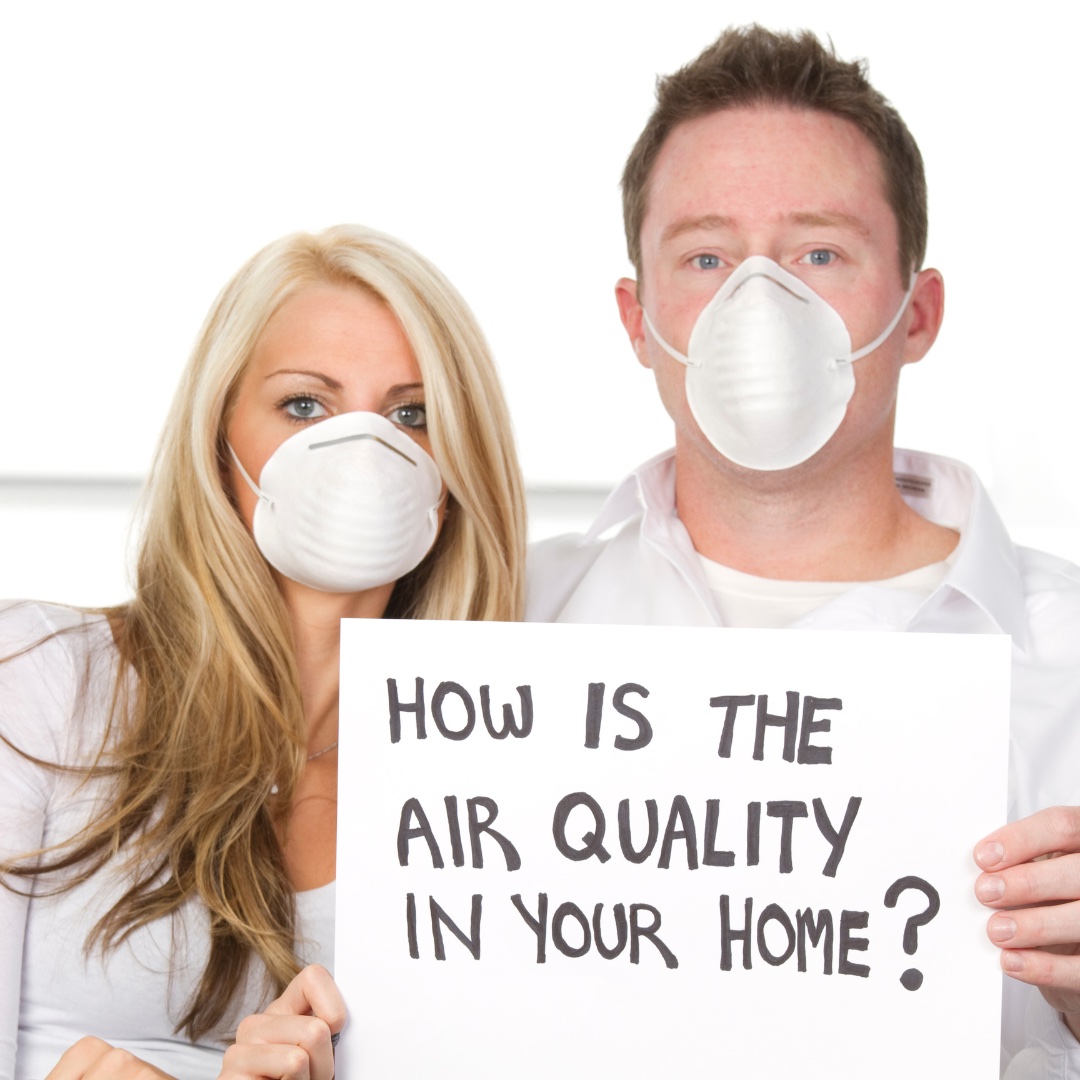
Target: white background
point(150, 149)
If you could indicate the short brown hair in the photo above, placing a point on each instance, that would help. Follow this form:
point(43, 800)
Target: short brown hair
point(750, 65)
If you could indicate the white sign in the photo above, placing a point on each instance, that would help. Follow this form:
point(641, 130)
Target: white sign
point(641, 852)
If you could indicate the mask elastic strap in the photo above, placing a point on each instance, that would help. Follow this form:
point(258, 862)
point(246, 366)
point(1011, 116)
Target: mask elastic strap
point(664, 345)
point(884, 335)
point(250, 483)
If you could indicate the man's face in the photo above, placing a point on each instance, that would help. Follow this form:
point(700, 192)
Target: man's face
point(804, 188)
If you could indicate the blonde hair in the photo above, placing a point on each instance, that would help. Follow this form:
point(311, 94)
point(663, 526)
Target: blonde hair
point(208, 635)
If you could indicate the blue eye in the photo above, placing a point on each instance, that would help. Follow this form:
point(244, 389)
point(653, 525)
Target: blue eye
point(819, 257)
point(707, 262)
point(409, 416)
point(303, 407)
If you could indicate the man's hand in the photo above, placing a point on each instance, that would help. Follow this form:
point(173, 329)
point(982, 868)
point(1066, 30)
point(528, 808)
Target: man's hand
point(1031, 869)
point(95, 1059)
point(292, 1039)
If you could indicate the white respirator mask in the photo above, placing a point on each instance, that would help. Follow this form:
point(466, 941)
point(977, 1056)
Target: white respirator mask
point(347, 504)
point(769, 371)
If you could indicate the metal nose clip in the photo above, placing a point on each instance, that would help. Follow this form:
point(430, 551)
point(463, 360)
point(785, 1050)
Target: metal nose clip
point(769, 277)
point(354, 438)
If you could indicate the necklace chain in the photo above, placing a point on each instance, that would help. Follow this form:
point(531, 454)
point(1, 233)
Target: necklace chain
point(310, 757)
point(324, 750)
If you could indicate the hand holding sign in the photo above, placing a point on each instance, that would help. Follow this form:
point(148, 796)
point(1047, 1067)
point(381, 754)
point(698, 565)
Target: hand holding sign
point(1032, 868)
point(293, 1038)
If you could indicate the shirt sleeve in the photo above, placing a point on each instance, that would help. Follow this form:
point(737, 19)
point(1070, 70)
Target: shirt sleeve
point(37, 688)
point(1050, 1052)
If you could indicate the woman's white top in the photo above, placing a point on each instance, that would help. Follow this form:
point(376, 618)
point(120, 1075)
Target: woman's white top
point(54, 701)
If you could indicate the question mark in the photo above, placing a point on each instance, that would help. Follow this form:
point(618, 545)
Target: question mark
point(912, 978)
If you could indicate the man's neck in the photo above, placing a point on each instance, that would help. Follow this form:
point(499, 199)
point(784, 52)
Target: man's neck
point(826, 520)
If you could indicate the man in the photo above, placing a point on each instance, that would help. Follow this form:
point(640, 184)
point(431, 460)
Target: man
point(775, 211)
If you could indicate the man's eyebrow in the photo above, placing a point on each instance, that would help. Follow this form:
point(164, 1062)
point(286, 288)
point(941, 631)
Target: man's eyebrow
point(695, 224)
point(829, 219)
point(815, 219)
point(332, 384)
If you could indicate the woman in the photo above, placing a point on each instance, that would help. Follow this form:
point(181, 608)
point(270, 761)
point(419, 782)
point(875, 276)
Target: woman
point(170, 766)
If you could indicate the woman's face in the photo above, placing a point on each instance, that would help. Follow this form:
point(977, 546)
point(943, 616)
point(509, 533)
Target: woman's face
point(327, 350)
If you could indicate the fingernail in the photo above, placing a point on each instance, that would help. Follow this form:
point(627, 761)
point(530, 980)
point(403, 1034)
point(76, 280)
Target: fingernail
point(989, 854)
point(1012, 961)
point(990, 888)
point(1002, 928)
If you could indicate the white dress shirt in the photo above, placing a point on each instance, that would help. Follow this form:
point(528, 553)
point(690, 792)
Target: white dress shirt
point(637, 565)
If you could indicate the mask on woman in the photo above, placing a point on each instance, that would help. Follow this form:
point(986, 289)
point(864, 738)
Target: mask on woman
point(347, 504)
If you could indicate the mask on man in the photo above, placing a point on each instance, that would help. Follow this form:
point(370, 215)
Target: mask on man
point(347, 504)
point(768, 364)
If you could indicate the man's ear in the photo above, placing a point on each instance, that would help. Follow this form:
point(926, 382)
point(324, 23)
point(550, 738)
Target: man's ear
point(927, 308)
point(626, 296)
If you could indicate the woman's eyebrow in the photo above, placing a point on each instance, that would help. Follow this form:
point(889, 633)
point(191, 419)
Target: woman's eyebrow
point(333, 384)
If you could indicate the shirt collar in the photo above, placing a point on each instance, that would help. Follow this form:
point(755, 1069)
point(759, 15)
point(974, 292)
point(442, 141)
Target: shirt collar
point(650, 487)
point(942, 490)
point(985, 568)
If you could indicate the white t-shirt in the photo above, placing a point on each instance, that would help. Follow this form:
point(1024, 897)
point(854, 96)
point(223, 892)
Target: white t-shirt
point(53, 704)
point(770, 604)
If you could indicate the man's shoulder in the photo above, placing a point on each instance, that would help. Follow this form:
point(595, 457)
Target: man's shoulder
point(556, 567)
point(1051, 593)
point(1044, 621)
point(607, 554)
point(1043, 572)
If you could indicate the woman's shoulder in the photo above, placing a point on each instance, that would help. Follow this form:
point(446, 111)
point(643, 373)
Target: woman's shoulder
point(55, 663)
point(24, 623)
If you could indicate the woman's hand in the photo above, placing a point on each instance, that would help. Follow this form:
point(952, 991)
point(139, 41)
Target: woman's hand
point(291, 1040)
point(95, 1059)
